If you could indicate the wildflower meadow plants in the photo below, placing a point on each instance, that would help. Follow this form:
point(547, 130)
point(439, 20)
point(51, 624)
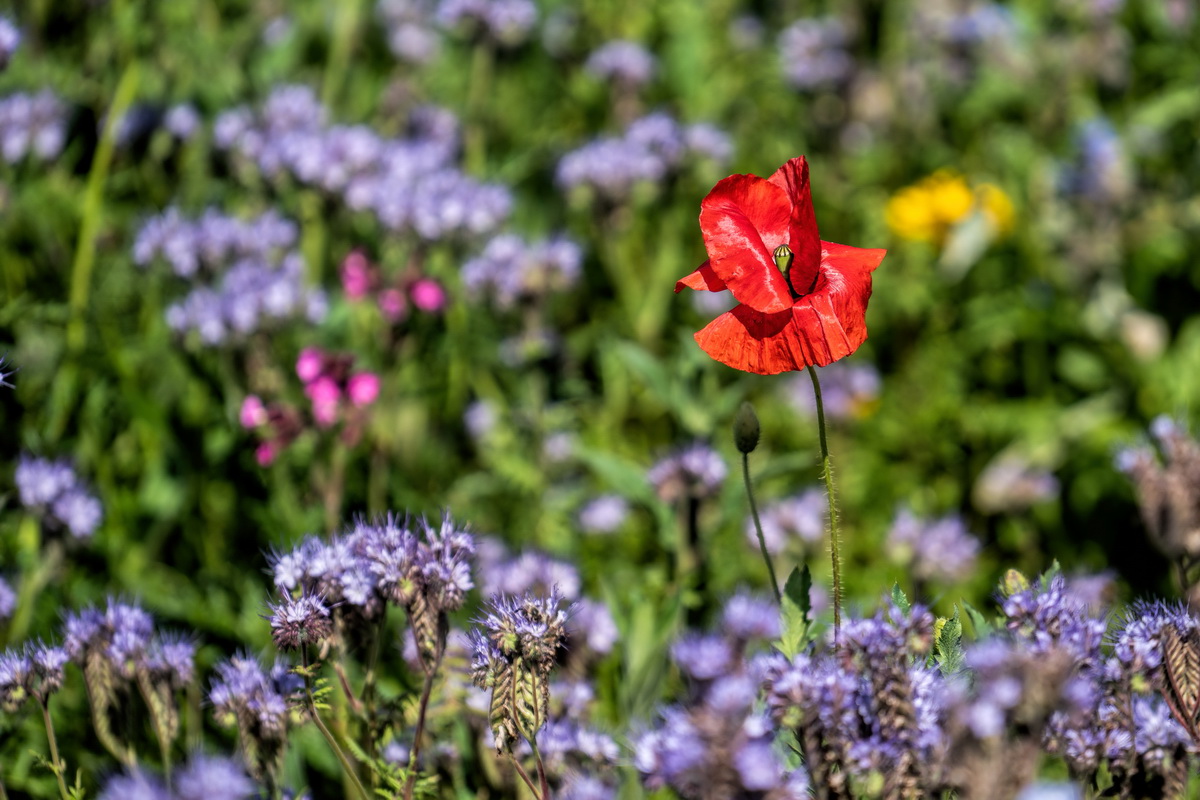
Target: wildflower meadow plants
point(358, 446)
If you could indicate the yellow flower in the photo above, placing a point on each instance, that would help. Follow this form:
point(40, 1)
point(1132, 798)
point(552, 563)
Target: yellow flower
point(927, 210)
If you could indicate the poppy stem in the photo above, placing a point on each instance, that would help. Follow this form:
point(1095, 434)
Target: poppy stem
point(762, 542)
point(834, 536)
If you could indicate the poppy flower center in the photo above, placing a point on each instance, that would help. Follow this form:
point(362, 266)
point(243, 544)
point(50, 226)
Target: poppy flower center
point(784, 256)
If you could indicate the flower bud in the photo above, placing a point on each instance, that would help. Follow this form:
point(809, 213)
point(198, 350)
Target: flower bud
point(1013, 582)
point(746, 429)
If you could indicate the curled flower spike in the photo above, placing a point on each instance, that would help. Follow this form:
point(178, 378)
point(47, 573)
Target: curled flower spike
point(803, 301)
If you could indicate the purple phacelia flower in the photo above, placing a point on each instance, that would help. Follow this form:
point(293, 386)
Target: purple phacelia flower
point(10, 39)
point(32, 124)
point(213, 778)
point(848, 391)
point(592, 624)
point(703, 656)
point(622, 62)
point(604, 514)
point(297, 622)
point(1139, 641)
point(6, 374)
point(1010, 484)
point(510, 271)
point(134, 785)
point(8, 600)
point(814, 55)
point(409, 28)
point(78, 511)
point(696, 471)
point(506, 22)
point(746, 617)
point(40, 481)
point(941, 549)
point(803, 518)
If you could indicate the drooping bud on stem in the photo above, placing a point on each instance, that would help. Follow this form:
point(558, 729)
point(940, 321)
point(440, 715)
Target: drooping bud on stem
point(746, 429)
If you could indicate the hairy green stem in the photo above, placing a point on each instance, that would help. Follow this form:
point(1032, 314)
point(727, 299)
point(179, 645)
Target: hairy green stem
point(426, 692)
point(762, 542)
point(834, 534)
point(56, 765)
point(337, 750)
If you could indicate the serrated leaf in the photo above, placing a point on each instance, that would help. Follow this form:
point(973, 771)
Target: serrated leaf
point(900, 600)
point(948, 650)
point(795, 612)
point(983, 628)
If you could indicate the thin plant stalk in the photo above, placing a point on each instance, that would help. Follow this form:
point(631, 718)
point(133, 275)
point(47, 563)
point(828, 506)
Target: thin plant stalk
point(541, 768)
point(337, 750)
point(762, 542)
point(93, 206)
point(834, 533)
point(56, 765)
point(426, 691)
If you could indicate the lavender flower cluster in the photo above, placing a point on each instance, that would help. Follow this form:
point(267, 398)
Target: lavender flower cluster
point(258, 703)
point(933, 549)
point(848, 391)
point(590, 628)
point(622, 62)
point(719, 743)
point(261, 275)
point(410, 31)
point(389, 560)
point(32, 124)
point(814, 54)
point(10, 40)
point(201, 778)
point(504, 22)
point(53, 489)
point(802, 518)
point(511, 270)
point(410, 185)
point(651, 149)
point(696, 471)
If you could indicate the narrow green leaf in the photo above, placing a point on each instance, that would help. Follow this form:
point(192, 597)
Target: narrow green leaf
point(983, 628)
point(795, 612)
point(948, 649)
point(900, 599)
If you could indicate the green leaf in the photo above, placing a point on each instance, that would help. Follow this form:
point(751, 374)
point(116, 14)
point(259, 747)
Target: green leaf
point(948, 649)
point(900, 599)
point(983, 628)
point(796, 608)
point(1054, 569)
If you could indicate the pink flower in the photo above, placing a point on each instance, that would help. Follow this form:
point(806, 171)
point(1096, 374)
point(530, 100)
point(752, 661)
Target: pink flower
point(428, 295)
point(356, 275)
point(253, 412)
point(265, 454)
point(310, 364)
point(393, 305)
point(363, 388)
point(325, 396)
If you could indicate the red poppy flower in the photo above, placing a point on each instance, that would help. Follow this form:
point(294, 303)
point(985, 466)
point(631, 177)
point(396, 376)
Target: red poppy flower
point(802, 301)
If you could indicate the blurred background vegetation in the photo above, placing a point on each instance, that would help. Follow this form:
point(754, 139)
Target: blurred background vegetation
point(1030, 166)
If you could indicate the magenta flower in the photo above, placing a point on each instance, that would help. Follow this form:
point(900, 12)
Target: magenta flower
point(393, 305)
point(363, 388)
point(356, 275)
point(265, 453)
point(310, 364)
point(428, 295)
point(325, 395)
point(253, 412)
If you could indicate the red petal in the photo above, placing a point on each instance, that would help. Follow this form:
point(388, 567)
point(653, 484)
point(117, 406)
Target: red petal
point(703, 279)
point(744, 218)
point(803, 237)
point(822, 327)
